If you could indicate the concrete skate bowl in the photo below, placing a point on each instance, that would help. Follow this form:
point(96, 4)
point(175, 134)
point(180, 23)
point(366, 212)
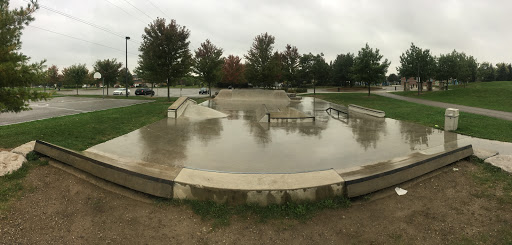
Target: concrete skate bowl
point(237, 158)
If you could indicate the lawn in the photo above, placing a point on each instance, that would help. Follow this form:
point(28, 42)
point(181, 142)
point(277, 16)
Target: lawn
point(81, 131)
point(488, 95)
point(469, 124)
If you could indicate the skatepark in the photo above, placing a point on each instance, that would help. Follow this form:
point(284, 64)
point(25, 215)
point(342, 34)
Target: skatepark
point(259, 146)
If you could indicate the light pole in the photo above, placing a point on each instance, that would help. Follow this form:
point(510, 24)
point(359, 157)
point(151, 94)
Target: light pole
point(126, 71)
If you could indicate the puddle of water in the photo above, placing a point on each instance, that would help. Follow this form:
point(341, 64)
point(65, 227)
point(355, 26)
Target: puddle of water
point(239, 143)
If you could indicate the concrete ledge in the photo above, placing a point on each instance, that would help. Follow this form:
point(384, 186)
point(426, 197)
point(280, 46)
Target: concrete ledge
point(370, 178)
point(179, 106)
point(145, 179)
point(262, 189)
point(242, 188)
point(367, 111)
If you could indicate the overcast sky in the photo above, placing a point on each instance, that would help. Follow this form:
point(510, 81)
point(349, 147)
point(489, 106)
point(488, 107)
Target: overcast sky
point(477, 27)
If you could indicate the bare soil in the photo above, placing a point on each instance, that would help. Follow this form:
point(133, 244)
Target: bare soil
point(444, 207)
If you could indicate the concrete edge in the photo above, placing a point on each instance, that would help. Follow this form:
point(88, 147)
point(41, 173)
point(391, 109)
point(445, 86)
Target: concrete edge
point(134, 180)
point(367, 111)
point(261, 189)
point(359, 183)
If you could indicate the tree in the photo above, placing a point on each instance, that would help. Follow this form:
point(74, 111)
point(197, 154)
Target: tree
point(486, 72)
point(321, 70)
point(233, 71)
point(109, 69)
point(368, 66)
point(290, 58)
point(306, 62)
point(15, 71)
point(75, 74)
point(165, 52)
point(208, 63)
point(502, 72)
point(342, 70)
point(259, 61)
point(393, 78)
point(509, 68)
point(53, 75)
point(416, 62)
point(446, 67)
point(122, 78)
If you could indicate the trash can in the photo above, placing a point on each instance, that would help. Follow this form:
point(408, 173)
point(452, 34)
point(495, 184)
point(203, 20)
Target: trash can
point(451, 119)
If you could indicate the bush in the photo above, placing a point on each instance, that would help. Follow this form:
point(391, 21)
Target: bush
point(296, 90)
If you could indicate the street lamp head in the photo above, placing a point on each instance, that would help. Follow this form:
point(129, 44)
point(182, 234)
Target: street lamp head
point(127, 38)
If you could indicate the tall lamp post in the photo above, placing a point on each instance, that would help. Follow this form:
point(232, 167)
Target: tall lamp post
point(126, 71)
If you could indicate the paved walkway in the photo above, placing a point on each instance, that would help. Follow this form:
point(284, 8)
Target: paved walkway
point(475, 110)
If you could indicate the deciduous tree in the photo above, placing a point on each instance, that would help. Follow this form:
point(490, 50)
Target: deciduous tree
point(368, 66)
point(290, 58)
point(208, 63)
point(165, 52)
point(233, 71)
point(53, 75)
point(109, 69)
point(259, 60)
point(417, 62)
point(122, 79)
point(342, 69)
point(502, 72)
point(486, 72)
point(75, 74)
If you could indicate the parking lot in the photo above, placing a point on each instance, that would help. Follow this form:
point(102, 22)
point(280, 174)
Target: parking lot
point(159, 92)
point(63, 106)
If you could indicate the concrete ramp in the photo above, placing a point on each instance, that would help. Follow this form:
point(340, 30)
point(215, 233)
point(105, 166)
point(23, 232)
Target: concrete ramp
point(201, 112)
point(187, 107)
point(255, 95)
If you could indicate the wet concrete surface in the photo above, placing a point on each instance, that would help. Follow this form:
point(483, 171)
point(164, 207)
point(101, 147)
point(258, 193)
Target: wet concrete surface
point(63, 106)
point(241, 144)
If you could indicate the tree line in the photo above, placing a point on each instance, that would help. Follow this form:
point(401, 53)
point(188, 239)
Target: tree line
point(165, 57)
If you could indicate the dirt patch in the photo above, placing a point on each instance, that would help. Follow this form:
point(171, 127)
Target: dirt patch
point(444, 207)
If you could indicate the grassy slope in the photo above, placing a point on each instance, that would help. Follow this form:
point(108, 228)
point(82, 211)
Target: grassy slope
point(489, 95)
point(79, 132)
point(469, 124)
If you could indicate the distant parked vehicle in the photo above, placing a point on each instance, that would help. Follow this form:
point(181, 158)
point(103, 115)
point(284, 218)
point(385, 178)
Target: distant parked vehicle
point(121, 91)
point(203, 91)
point(144, 91)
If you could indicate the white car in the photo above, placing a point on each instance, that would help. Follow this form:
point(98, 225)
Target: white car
point(121, 91)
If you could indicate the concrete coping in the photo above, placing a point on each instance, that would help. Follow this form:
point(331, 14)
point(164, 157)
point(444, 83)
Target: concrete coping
point(178, 103)
point(367, 111)
point(259, 188)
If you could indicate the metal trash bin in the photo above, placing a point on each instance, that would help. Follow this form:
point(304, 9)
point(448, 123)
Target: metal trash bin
point(451, 119)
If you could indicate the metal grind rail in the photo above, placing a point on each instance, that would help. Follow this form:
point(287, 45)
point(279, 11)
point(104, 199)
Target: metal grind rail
point(329, 111)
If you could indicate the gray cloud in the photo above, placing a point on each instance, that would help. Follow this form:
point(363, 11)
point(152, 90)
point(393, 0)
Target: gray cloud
point(476, 27)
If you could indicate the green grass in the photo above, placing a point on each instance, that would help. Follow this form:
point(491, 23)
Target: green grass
point(11, 185)
point(469, 124)
point(493, 178)
point(81, 131)
point(221, 214)
point(488, 95)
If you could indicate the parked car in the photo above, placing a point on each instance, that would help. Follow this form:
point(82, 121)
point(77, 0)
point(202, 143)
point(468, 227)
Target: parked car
point(121, 91)
point(203, 91)
point(144, 91)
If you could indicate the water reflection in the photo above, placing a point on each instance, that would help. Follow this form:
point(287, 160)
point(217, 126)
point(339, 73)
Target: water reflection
point(414, 134)
point(367, 130)
point(239, 143)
